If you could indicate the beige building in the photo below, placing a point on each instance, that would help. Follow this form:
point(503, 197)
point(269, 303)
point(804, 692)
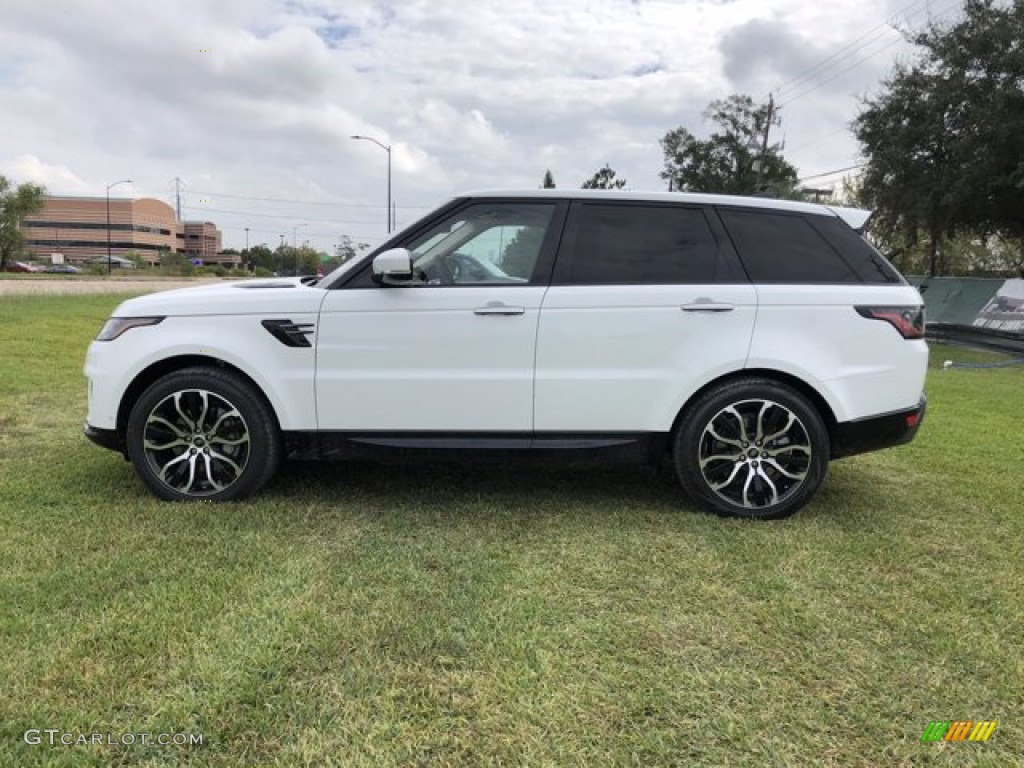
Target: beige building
point(201, 240)
point(76, 227)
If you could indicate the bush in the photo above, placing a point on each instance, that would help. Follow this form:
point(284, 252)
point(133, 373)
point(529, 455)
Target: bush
point(262, 272)
point(212, 270)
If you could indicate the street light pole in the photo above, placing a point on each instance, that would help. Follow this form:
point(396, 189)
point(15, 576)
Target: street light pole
point(295, 252)
point(109, 187)
point(386, 148)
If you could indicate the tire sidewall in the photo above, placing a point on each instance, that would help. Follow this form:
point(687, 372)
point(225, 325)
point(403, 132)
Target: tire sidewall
point(686, 454)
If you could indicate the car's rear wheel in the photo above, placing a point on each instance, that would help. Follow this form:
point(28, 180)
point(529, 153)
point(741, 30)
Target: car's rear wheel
point(752, 448)
point(203, 434)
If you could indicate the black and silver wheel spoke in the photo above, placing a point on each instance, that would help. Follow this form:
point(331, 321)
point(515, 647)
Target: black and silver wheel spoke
point(755, 453)
point(196, 442)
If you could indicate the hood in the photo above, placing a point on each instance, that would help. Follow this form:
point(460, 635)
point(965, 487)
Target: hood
point(238, 297)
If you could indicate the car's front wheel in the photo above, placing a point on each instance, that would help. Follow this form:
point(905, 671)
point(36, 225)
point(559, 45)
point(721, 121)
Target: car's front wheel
point(752, 448)
point(203, 434)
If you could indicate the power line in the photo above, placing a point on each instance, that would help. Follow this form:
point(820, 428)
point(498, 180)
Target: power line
point(832, 173)
point(307, 202)
point(845, 51)
point(818, 140)
point(843, 71)
point(277, 216)
point(308, 235)
point(861, 43)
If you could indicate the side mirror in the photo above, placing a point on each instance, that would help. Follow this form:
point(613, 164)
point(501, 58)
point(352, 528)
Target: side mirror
point(393, 267)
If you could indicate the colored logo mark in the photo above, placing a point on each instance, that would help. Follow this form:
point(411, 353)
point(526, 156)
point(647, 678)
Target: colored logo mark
point(958, 730)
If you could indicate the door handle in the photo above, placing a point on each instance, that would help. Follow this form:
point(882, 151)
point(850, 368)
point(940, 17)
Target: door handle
point(707, 305)
point(497, 308)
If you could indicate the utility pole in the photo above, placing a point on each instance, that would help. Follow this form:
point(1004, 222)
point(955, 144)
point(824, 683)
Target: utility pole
point(764, 139)
point(177, 194)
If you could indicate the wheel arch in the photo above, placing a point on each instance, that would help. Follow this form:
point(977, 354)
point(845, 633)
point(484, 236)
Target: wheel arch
point(813, 395)
point(155, 371)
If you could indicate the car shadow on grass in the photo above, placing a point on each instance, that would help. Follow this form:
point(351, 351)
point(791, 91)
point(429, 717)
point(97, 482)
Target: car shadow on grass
point(476, 481)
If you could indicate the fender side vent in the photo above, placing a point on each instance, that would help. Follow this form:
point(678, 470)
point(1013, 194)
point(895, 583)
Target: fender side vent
point(289, 333)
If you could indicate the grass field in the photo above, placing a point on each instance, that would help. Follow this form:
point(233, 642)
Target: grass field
point(361, 615)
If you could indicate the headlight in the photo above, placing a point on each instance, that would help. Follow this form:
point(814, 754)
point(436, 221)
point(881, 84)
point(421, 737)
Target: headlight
point(115, 326)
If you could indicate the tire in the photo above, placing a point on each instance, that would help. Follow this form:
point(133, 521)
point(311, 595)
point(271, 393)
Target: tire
point(724, 462)
point(203, 434)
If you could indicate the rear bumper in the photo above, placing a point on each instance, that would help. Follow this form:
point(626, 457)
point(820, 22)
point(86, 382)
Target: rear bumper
point(877, 432)
point(105, 438)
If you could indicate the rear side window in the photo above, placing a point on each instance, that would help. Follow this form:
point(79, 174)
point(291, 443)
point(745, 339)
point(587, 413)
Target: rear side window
point(784, 248)
point(638, 244)
point(868, 263)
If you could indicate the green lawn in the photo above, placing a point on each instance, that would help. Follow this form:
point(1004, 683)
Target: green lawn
point(363, 615)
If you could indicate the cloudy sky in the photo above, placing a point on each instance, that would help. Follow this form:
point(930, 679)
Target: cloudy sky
point(251, 103)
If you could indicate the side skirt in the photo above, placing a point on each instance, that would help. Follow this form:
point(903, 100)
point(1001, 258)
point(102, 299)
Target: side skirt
point(642, 447)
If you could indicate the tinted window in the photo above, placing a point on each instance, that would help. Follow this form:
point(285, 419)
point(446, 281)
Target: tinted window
point(784, 248)
point(630, 244)
point(869, 264)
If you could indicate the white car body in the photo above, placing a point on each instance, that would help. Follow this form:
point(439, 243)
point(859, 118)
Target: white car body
point(518, 362)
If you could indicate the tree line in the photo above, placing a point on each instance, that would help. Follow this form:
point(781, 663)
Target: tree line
point(941, 143)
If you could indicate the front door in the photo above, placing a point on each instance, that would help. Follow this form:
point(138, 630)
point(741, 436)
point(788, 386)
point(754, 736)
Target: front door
point(454, 350)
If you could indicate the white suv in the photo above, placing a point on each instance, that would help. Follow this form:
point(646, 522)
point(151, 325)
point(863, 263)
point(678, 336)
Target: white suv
point(749, 340)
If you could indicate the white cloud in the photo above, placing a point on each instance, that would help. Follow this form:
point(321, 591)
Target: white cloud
point(252, 102)
point(30, 168)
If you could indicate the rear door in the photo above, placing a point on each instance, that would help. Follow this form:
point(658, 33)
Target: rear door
point(647, 304)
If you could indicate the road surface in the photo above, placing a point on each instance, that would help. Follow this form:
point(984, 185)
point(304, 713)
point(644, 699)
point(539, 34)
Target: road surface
point(29, 287)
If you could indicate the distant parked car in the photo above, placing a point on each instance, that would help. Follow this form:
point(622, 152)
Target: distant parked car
point(21, 266)
point(63, 269)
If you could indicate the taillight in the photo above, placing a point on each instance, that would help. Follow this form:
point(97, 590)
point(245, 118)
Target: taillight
point(909, 321)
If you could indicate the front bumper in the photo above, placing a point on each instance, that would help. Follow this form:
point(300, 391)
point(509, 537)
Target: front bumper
point(878, 432)
point(105, 438)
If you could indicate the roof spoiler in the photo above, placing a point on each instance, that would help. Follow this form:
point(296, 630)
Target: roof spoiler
point(857, 218)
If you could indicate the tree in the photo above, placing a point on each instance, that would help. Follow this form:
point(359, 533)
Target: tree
point(260, 256)
point(306, 260)
point(604, 179)
point(942, 138)
point(734, 159)
point(16, 202)
point(173, 262)
point(346, 250)
point(520, 253)
point(549, 180)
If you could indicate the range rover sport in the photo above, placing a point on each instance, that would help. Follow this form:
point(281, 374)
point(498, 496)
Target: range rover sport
point(751, 341)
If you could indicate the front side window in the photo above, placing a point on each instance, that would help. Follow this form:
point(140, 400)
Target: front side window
point(636, 244)
point(484, 244)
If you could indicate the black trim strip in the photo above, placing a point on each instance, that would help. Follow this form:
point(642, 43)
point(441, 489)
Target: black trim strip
point(641, 446)
point(105, 438)
point(877, 432)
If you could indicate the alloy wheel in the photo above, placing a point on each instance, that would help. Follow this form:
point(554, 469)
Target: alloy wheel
point(755, 453)
point(196, 442)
